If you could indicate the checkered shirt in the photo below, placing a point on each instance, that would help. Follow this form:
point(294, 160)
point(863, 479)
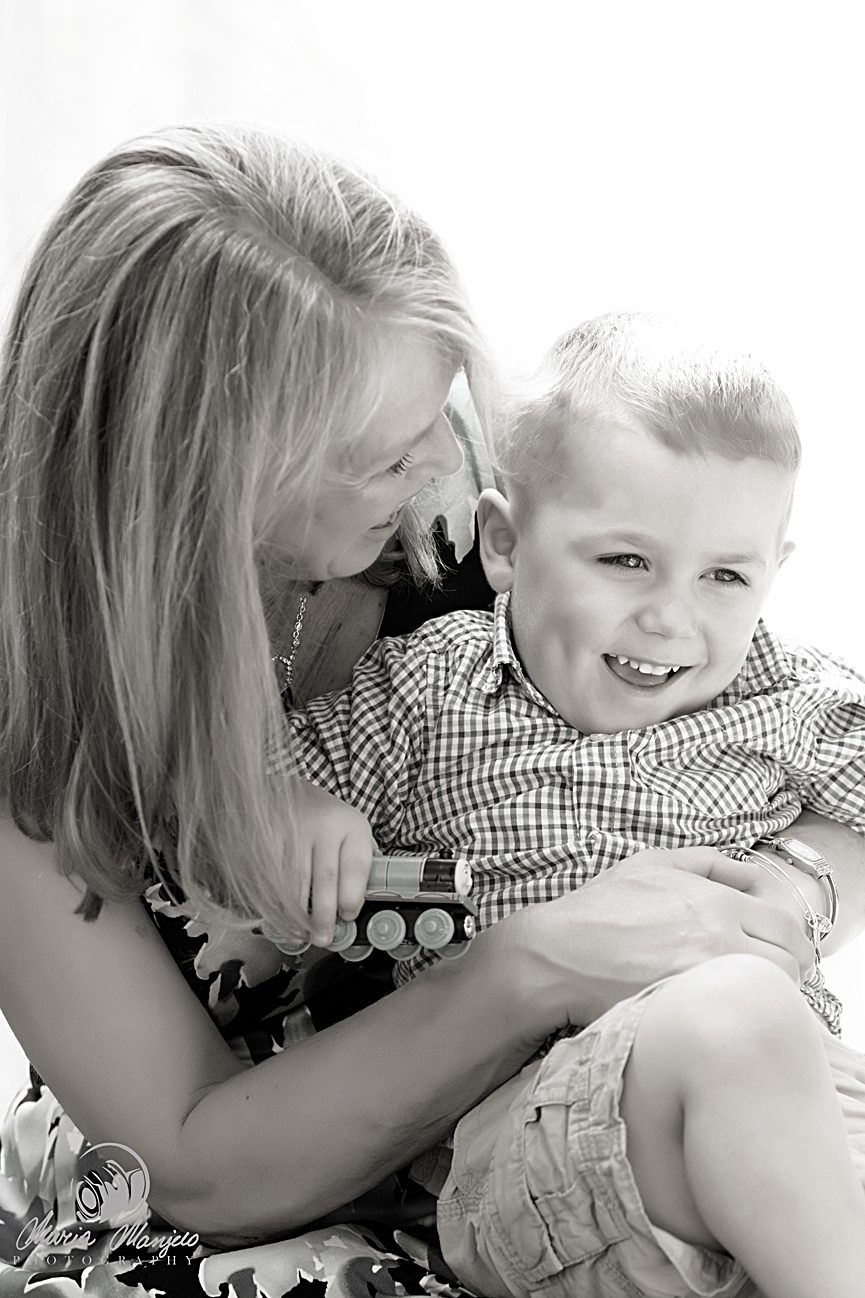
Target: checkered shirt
point(443, 742)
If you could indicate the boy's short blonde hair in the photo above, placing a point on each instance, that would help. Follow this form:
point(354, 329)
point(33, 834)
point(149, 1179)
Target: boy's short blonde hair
point(639, 371)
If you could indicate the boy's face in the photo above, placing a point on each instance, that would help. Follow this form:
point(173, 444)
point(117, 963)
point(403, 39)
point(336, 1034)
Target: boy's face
point(637, 561)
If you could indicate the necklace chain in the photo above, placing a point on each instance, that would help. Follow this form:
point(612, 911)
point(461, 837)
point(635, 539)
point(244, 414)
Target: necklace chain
point(287, 660)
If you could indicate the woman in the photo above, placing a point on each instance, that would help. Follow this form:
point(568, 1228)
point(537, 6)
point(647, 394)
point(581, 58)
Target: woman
point(226, 378)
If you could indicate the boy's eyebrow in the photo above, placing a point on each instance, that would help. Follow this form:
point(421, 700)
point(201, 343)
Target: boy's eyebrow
point(741, 559)
point(619, 536)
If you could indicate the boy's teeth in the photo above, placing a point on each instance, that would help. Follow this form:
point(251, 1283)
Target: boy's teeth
point(646, 668)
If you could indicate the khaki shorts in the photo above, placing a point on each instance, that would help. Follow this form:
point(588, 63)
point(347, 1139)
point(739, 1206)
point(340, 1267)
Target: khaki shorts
point(541, 1198)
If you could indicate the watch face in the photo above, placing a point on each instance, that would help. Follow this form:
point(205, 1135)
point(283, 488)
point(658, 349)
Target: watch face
point(797, 848)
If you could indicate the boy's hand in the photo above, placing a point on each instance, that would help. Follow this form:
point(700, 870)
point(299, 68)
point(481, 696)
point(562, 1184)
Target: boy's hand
point(335, 846)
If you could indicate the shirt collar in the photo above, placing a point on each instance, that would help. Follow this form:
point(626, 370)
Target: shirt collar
point(504, 656)
point(503, 652)
point(764, 668)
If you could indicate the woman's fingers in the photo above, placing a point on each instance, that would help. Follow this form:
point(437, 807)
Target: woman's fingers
point(708, 862)
point(779, 954)
point(771, 931)
point(779, 935)
point(656, 914)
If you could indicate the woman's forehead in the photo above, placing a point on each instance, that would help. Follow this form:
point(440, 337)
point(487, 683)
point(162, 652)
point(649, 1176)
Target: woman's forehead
point(414, 386)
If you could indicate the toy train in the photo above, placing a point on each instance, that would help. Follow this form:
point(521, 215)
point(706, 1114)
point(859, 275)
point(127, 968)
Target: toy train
point(412, 903)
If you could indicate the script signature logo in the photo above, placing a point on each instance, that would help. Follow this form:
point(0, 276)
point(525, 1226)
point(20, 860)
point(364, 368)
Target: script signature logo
point(112, 1183)
point(111, 1188)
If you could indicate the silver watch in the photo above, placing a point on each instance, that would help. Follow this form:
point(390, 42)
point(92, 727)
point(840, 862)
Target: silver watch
point(795, 852)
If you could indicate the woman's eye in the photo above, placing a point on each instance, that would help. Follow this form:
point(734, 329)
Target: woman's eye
point(623, 560)
point(401, 465)
point(727, 577)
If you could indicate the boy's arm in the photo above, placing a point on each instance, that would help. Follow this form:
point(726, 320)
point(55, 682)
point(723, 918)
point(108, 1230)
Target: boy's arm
point(361, 743)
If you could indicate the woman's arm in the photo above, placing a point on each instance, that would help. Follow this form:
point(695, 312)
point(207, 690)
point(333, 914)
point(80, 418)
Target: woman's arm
point(109, 1022)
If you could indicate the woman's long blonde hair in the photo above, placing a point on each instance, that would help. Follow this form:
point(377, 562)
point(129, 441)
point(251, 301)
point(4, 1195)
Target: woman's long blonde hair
point(199, 326)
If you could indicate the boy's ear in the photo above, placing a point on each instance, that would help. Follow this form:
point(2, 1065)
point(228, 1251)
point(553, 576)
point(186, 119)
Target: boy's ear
point(498, 538)
point(786, 550)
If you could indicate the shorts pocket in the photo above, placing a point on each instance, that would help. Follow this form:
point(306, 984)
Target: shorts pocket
point(565, 1181)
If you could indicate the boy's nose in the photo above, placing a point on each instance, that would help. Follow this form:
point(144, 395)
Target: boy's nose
point(669, 616)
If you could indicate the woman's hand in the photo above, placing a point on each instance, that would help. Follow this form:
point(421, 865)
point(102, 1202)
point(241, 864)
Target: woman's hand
point(654, 914)
point(335, 847)
point(776, 891)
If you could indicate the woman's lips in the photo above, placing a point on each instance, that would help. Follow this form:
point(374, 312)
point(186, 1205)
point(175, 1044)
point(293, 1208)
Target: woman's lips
point(388, 523)
point(394, 518)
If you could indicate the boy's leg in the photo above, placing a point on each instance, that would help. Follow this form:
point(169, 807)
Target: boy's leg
point(541, 1197)
point(735, 1132)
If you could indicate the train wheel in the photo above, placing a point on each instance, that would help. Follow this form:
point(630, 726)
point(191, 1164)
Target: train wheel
point(282, 944)
point(385, 929)
point(433, 928)
point(356, 953)
point(344, 934)
point(405, 951)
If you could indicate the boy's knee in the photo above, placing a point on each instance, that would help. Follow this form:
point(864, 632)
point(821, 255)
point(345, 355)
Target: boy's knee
point(729, 1007)
point(737, 978)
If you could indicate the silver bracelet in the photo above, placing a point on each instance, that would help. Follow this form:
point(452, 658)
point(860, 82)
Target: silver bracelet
point(818, 924)
point(805, 857)
point(814, 988)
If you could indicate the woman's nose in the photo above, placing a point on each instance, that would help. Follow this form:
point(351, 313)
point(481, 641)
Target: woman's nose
point(445, 453)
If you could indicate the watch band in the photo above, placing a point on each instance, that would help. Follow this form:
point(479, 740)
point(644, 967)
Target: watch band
point(807, 858)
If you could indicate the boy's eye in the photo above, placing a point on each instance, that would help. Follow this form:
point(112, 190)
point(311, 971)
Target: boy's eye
point(727, 577)
point(401, 465)
point(623, 560)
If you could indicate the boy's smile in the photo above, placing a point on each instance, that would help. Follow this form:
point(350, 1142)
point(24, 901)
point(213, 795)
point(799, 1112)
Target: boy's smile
point(638, 578)
point(642, 675)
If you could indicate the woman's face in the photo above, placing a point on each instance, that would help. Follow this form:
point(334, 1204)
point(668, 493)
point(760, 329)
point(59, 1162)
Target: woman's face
point(407, 442)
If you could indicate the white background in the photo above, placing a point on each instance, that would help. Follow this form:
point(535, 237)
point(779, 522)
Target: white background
point(577, 157)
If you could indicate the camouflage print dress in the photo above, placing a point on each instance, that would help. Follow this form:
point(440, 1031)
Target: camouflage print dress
point(74, 1219)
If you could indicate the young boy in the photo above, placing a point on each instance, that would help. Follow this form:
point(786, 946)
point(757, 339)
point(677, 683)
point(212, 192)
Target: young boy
point(624, 694)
